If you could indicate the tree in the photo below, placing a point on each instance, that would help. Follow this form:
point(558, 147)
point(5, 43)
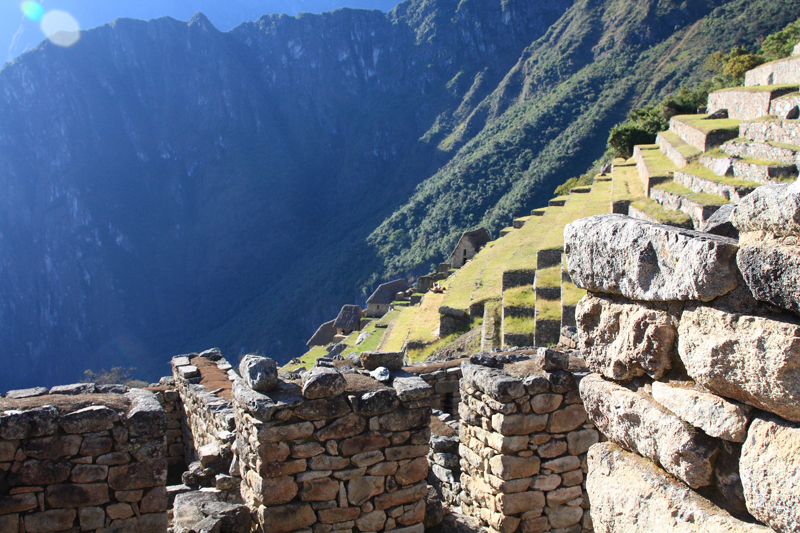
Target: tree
point(117, 375)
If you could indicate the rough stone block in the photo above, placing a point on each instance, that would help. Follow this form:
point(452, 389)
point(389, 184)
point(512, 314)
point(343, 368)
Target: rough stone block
point(622, 339)
point(258, 372)
point(405, 419)
point(716, 416)
point(49, 521)
point(518, 424)
point(323, 409)
point(508, 467)
point(67, 496)
point(770, 470)
point(17, 503)
point(342, 428)
point(402, 496)
point(377, 402)
point(363, 488)
point(567, 419)
point(773, 208)
point(631, 494)
point(54, 447)
point(285, 518)
point(89, 419)
point(37, 422)
point(492, 381)
point(390, 360)
point(27, 393)
point(520, 502)
point(146, 417)
point(318, 490)
point(138, 475)
point(637, 423)
point(323, 382)
point(771, 269)
point(647, 261)
point(752, 359)
point(91, 518)
point(286, 432)
point(411, 388)
point(32, 472)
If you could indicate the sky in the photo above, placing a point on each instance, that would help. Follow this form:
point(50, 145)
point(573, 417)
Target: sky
point(23, 25)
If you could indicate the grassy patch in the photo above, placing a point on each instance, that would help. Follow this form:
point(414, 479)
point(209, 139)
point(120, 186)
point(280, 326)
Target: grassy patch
point(549, 277)
point(519, 324)
point(673, 188)
point(701, 171)
point(656, 162)
point(626, 183)
point(548, 309)
point(686, 150)
point(519, 297)
point(698, 122)
point(307, 359)
point(657, 211)
point(417, 324)
point(704, 198)
point(571, 294)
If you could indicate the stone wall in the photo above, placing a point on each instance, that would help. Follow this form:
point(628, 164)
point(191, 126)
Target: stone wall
point(700, 140)
point(443, 379)
point(693, 341)
point(744, 104)
point(524, 437)
point(170, 400)
point(209, 424)
point(774, 73)
point(83, 463)
point(775, 131)
point(335, 452)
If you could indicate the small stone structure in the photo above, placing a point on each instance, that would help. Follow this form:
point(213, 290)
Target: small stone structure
point(444, 379)
point(348, 320)
point(524, 437)
point(335, 452)
point(83, 462)
point(468, 245)
point(379, 302)
point(693, 341)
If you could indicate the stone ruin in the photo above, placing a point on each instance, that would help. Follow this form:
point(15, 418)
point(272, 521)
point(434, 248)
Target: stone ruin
point(693, 341)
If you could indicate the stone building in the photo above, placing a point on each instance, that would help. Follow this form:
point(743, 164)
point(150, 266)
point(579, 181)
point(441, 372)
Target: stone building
point(323, 336)
point(378, 304)
point(348, 321)
point(468, 245)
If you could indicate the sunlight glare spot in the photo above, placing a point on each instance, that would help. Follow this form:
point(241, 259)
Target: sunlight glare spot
point(61, 28)
point(32, 10)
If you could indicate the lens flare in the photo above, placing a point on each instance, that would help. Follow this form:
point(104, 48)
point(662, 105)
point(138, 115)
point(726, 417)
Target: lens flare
point(61, 28)
point(32, 10)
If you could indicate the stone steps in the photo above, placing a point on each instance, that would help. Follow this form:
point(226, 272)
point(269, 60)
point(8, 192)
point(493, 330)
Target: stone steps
point(787, 154)
point(771, 130)
point(672, 146)
point(538, 212)
point(653, 166)
point(702, 133)
point(775, 72)
point(763, 172)
point(506, 231)
point(743, 103)
point(650, 210)
point(519, 222)
point(701, 179)
point(625, 185)
point(699, 206)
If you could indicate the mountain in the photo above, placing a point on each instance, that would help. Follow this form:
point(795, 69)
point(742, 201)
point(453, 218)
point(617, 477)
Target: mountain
point(167, 187)
point(19, 33)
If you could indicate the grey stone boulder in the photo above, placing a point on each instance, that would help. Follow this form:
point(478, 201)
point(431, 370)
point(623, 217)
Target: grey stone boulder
point(258, 372)
point(410, 388)
point(716, 416)
point(639, 424)
point(493, 381)
point(187, 509)
point(120, 389)
point(752, 359)
point(37, 422)
point(774, 209)
point(770, 472)
point(89, 419)
point(622, 339)
point(629, 494)
point(26, 393)
point(771, 268)
point(376, 402)
point(146, 417)
point(720, 223)
point(323, 382)
point(550, 359)
point(646, 261)
point(382, 374)
point(214, 354)
point(73, 389)
point(434, 511)
point(232, 518)
point(390, 360)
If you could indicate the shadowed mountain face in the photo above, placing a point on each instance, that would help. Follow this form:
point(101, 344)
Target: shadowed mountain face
point(166, 187)
point(162, 184)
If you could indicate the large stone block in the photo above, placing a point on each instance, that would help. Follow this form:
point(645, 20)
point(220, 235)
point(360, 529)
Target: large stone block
point(32, 472)
point(770, 472)
point(342, 428)
point(629, 494)
point(258, 372)
point(390, 360)
point(774, 209)
point(49, 521)
point(377, 402)
point(138, 475)
point(405, 419)
point(492, 381)
point(89, 419)
point(323, 382)
point(622, 339)
point(70, 495)
point(37, 422)
point(638, 423)
point(508, 467)
point(771, 268)
point(54, 447)
point(146, 417)
point(285, 518)
point(715, 415)
point(647, 261)
point(752, 359)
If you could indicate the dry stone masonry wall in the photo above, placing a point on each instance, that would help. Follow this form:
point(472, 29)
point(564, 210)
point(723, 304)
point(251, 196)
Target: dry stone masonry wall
point(693, 341)
point(524, 437)
point(336, 451)
point(85, 462)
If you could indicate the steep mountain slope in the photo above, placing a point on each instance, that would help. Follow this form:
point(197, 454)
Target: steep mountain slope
point(548, 119)
point(165, 186)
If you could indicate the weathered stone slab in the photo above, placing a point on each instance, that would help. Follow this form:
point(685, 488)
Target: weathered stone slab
point(26, 393)
point(771, 268)
point(323, 382)
point(54, 447)
point(717, 416)
point(71, 495)
point(637, 423)
point(138, 475)
point(89, 419)
point(751, 359)
point(73, 389)
point(773, 208)
point(285, 518)
point(405, 419)
point(629, 494)
point(411, 388)
point(622, 339)
point(492, 381)
point(323, 408)
point(647, 261)
point(342, 428)
point(146, 417)
point(390, 360)
point(770, 472)
point(258, 372)
point(377, 402)
point(518, 424)
point(38, 422)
